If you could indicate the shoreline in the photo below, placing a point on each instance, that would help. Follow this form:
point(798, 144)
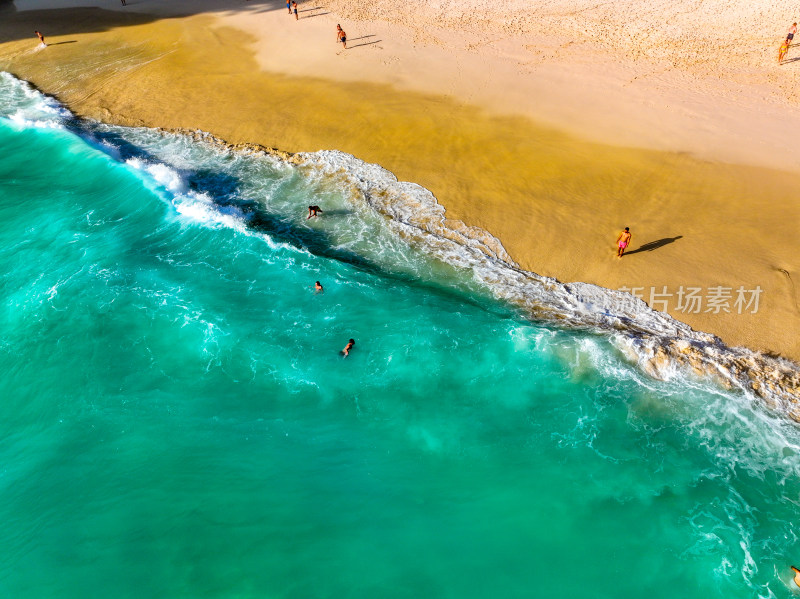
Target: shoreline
point(523, 180)
point(659, 345)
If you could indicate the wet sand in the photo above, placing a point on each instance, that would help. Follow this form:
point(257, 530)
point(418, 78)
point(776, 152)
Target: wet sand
point(555, 200)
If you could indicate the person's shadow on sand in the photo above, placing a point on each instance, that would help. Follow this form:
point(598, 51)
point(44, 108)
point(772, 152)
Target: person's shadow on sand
point(654, 245)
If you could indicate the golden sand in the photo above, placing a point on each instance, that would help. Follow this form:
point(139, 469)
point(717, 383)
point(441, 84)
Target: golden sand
point(556, 202)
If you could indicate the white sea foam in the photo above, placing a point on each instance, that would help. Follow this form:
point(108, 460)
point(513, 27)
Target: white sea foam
point(192, 205)
point(26, 107)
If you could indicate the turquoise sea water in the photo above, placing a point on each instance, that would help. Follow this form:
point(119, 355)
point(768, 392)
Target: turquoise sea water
point(176, 420)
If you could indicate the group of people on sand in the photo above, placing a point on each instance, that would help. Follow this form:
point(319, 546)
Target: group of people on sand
point(313, 211)
point(341, 36)
point(291, 6)
point(784, 49)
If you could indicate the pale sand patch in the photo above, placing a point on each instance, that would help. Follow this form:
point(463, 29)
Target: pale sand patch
point(556, 202)
point(688, 76)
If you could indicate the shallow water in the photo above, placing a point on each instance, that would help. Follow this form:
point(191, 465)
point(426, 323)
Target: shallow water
point(178, 422)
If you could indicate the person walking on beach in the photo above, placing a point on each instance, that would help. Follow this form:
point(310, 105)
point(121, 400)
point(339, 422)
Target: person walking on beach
point(790, 33)
point(294, 10)
point(783, 50)
point(289, 6)
point(623, 241)
point(341, 36)
point(313, 211)
point(348, 347)
point(41, 37)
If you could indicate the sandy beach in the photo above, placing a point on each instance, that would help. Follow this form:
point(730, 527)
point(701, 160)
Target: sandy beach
point(552, 127)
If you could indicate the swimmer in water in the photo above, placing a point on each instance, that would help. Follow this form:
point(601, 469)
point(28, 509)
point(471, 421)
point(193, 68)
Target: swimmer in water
point(348, 347)
point(318, 287)
point(313, 211)
point(796, 576)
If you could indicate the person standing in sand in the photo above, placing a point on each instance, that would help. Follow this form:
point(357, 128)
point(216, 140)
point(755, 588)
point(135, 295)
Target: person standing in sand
point(783, 51)
point(790, 33)
point(341, 36)
point(41, 37)
point(289, 6)
point(623, 241)
point(294, 10)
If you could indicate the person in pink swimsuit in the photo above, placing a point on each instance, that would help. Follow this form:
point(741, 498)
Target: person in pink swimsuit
point(623, 241)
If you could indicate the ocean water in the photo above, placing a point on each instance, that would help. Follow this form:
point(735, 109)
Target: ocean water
point(177, 420)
